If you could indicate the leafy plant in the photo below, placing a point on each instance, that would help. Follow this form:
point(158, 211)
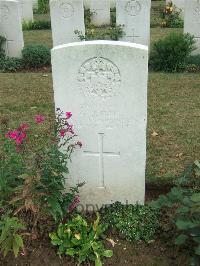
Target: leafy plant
point(36, 25)
point(10, 64)
point(171, 17)
point(170, 54)
point(33, 168)
point(80, 240)
point(36, 56)
point(10, 237)
point(134, 222)
point(111, 33)
point(186, 218)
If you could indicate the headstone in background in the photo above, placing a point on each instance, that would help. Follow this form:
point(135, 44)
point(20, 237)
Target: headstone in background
point(101, 12)
point(26, 10)
point(192, 21)
point(112, 3)
point(104, 85)
point(67, 16)
point(11, 27)
point(86, 4)
point(134, 15)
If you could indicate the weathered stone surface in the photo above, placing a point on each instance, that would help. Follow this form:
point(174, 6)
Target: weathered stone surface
point(192, 21)
point(104, 85)
point(101, 12)
point(134, 15)
point(67, 16)
point(11, 27)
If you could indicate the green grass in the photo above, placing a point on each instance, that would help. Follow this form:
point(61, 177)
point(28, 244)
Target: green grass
point(44, 36)
point(173, 112)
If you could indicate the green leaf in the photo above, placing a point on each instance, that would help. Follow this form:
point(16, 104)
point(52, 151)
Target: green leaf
point(181, 239)
point(98, 261)
point(19, 240)
point(197, 250)
point(108, 253)
point(196, 197)
point(15, 248)
point(71, 252)
point(183, 225)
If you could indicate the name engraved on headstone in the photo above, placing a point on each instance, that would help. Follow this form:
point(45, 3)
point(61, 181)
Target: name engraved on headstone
point(99, 77)
point(67, 10)
point(4, 13)
point(107, 118)
point(133, 7)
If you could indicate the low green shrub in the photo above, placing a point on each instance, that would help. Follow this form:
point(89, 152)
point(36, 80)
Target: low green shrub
point(35, 56)
point(81, 240)
point(186, 217)
point(10, 64)
point(134, 222)
point(170, 54)
point(36, 25)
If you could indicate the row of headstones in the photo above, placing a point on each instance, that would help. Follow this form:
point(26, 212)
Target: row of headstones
point(67, 16)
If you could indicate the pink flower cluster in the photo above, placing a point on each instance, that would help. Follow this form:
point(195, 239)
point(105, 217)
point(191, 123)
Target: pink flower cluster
point(39, 119)
point(69, 127)
point(19, 134)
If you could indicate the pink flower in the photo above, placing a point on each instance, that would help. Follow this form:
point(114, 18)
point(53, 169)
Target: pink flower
point(68, 115)
point(12, 134)
point(70, 129)
point(20, 138)
point(74, 204)
point(62, 133)
point(39, 119)
point(23, 127)
point(80, 144)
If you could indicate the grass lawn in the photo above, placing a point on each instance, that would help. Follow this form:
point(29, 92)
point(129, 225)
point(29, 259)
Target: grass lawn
point(173, 113)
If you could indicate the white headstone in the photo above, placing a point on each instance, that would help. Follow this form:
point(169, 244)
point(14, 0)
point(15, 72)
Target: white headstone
point(26, 10)
point(67, 16)
point(192, 21)
point(86, 4)
point(11, 27)
point(101, 12)
point(104, 85)
point(178, 3)
point(134, 15)
point(112, 3)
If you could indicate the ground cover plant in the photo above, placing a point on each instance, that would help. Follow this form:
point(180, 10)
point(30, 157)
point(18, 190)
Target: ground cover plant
point(134, 222)
point(185, 199)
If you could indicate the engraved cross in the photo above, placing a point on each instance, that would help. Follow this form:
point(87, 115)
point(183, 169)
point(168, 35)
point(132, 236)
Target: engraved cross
point(101, 154)
point(132, 35)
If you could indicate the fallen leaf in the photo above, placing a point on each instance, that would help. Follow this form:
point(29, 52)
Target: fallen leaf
point(154, 134)
point(113, 243)
point(178, 155)
point(77, 236)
